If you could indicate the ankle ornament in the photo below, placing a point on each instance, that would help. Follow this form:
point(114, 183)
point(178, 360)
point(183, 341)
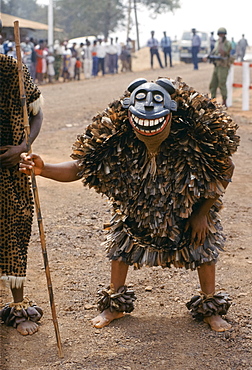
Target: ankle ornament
point(120, 301)
point(15, 313)
point(205, 305)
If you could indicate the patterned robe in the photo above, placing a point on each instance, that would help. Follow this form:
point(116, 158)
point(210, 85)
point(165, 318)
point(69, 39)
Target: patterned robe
point(15, 193)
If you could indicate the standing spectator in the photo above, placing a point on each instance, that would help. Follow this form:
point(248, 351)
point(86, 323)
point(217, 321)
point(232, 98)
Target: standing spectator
point(79, 57)
point(241, 47)
point(78, 67)
point(94, 59)
point(41, 66)
point(233, 46)
point(33, 59)
point(79, 50)
point(196, 42)
point(50, 67)
point(166, 47)
point(5, 46)
point(124, 59)
point(32, 42)
point(101, 53)
point(153, 44)
point(221, 65)
point(28, 53)
point(129, 48)
point(87, 63)
point(72, 64)
point(212, 41)
point(7, 43)
point(119, 49)
point(11, 50)
point(73, 49)
point(112, 56)
point(58, 54)
point(16, 198)
point(66, 63)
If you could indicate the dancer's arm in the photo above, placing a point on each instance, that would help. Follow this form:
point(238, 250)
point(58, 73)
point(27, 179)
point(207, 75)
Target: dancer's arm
point(63, 172)
point(11, 153)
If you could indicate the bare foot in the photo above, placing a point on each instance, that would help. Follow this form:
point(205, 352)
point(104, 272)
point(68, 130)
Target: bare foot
point(105, 318)
point(217, 323)
point(27, 327)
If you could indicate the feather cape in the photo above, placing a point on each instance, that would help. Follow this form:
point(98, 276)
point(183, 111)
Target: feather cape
point(152, 196)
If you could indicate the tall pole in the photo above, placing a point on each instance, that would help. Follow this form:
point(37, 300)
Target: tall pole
point(137, 31)
point(34, 187)
point(50, 25)
point(129, 20)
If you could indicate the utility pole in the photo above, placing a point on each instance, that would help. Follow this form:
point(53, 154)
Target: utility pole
point(137, 31)
point(50, 25)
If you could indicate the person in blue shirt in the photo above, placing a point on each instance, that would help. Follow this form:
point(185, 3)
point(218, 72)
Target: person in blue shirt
point(233, 46)
point(166, 47)
point(196, 42)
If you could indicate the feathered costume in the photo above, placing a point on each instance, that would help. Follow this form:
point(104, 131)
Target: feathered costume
point(156, 169)
point(154, 194)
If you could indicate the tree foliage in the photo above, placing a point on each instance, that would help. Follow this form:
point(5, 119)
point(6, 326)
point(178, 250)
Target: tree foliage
point(160, 6)
point(27, 9)
point(84, 17)
point(89, 17)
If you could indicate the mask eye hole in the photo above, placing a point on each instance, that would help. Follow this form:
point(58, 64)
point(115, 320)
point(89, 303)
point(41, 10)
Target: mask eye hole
point(140, 96)
point(158, 98)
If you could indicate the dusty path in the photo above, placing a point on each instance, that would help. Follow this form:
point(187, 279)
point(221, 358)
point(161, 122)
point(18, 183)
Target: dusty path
point(160, 333)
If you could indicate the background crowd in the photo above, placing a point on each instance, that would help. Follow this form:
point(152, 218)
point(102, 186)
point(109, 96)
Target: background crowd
point(68, 61)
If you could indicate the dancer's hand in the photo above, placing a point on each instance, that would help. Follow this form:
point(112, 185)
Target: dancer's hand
point(10, 155)
point(199, 228)
point(31, 162)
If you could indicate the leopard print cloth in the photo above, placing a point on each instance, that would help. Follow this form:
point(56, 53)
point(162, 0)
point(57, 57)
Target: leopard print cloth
point(15, 192)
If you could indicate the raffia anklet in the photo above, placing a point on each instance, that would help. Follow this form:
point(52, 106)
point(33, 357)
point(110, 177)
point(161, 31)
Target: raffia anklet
point(15, 313)
point(205, 305)
point(120, 301)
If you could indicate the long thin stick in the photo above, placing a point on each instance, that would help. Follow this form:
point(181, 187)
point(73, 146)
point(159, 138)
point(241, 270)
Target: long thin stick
point(34, 186)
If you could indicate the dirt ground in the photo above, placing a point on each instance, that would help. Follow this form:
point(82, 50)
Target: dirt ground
point(160, 333)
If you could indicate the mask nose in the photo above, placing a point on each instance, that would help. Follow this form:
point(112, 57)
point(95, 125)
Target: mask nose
point(149, 100)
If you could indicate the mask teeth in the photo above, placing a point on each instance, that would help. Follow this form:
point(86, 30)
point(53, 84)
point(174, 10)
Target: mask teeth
point(147, 122)
point(153, 130)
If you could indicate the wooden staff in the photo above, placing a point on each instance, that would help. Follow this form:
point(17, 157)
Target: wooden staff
point(34, 186)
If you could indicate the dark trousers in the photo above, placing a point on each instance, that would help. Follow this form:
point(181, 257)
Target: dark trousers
point(101, 65)
point(195, 50)
point(95, 66)
point(167, 51)
point(112, 63)
point(152, 53)
point(116, 63)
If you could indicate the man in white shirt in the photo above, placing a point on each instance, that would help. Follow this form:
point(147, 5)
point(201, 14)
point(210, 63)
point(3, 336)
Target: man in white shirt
point(87, 62)
point(119, 50)
point(101, 53)
point(112, 56)
point(153, 44)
